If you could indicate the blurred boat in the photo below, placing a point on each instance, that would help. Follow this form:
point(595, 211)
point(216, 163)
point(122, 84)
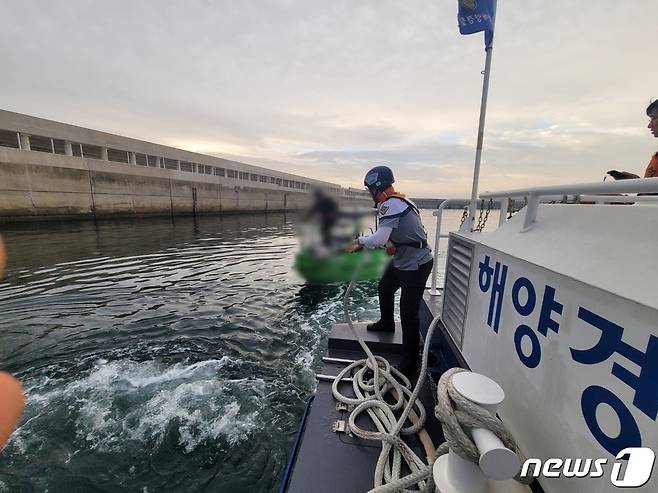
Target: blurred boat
point(340, 267)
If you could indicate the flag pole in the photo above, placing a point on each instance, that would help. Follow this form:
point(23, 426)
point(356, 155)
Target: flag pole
point(472, 208)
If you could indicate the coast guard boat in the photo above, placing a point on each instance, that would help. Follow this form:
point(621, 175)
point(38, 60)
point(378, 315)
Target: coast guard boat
point(555, 313)
point(543, 346)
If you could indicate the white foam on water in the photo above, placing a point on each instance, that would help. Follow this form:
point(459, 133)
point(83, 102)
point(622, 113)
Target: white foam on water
point(128, 400)
point(305, 360)
point(199, 416)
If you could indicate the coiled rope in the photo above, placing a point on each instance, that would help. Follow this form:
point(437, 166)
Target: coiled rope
point(374, 379)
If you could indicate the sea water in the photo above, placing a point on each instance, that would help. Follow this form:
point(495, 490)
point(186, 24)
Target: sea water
point(162, 354)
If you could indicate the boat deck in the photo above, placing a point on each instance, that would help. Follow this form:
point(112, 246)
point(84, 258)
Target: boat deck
point(326, 461)
point(329, 461)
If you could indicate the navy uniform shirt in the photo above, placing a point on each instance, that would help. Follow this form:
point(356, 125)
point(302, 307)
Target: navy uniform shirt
point(407, 227)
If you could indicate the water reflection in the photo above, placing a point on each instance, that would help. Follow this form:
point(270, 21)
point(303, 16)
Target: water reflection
point(159, 354)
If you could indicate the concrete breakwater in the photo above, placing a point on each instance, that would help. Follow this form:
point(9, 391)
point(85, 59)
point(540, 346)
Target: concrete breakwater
point(53, 170)
point(40, 186)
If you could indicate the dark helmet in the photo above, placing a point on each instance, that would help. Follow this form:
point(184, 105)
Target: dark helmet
point(378, 179)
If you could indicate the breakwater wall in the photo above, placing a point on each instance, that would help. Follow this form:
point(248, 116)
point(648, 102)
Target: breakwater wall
point(53, 170)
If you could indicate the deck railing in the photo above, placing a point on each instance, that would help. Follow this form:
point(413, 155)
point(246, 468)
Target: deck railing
point(434, 291)
point(600, 193)
point(603, 189)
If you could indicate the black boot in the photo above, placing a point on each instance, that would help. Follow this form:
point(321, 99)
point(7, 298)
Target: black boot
point(381, 326)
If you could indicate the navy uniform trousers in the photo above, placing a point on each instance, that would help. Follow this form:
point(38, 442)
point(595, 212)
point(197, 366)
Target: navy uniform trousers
point(412, 283)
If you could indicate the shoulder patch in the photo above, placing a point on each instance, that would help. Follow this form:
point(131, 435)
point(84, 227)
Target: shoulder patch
point(392, 207)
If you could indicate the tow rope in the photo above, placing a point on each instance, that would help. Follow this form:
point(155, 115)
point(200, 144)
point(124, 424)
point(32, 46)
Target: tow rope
point(374, 379)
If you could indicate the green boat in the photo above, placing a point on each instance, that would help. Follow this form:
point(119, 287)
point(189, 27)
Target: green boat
point(340, 267)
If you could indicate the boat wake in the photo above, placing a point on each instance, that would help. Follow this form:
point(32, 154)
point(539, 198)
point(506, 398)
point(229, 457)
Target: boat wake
point(118, 410)
point(125, 401)
point(171, 360)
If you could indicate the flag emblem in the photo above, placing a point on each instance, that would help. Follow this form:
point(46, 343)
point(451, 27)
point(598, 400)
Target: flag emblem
point(476, 16)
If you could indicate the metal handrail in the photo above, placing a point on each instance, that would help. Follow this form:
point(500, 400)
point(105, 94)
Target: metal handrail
point(594, 192)
point(437, 237)
point(638, 185)
point(603, 199)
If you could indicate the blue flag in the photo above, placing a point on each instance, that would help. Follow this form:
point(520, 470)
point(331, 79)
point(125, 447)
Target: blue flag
point(476, 16)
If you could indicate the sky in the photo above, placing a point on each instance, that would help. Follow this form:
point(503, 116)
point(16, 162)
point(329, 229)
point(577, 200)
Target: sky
point(328, 89)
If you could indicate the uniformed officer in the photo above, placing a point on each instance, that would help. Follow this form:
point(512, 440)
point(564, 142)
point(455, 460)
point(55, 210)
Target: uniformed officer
point(401, 229)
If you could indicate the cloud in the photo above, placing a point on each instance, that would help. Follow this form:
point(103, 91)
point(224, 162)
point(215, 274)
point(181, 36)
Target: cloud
point(326, 89)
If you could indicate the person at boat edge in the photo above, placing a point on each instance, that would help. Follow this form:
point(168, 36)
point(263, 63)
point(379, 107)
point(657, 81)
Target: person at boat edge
point(402, 231)
point(652, 113)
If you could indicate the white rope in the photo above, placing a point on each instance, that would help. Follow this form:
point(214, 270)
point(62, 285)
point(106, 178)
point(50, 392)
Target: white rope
point(381, 389)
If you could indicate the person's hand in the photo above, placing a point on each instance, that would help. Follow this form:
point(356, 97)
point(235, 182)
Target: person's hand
point(11, 405)
point(3, 257)
point(11, 391)
point(354, 247)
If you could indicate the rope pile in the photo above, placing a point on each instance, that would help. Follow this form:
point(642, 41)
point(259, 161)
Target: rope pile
point(381, 389)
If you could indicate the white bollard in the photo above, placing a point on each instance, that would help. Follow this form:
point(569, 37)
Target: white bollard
point(452, 474)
